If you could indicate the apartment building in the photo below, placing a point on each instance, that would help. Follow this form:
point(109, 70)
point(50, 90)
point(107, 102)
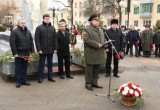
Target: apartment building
point(147, 12)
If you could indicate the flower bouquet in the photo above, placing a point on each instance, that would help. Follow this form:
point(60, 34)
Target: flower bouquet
point(131, 94)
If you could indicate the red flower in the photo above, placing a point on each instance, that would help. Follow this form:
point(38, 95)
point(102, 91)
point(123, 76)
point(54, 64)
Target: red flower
point(27, 58)
point(76, 32)
point(151, 44)
point(117, 56)
point(130, 85)
point(138, 91)
point(133, 95)
point(136, 43)
point(128, 94)
point(121, 90)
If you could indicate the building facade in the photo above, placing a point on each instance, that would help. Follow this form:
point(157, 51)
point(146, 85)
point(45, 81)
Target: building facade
point(10, 11)
point(147, 12)
point(80, 6)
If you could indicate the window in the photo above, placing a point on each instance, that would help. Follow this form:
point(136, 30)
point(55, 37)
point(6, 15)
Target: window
point(75, 13)
point(148, 22)
point(146, 8)
point(75, 5)
point(61, 15)
point(80, 4)
point(136, 10)
point(76, 22)
point(80, 14)
point(126, 23)
point(84, 23)
point(136, 23)
point(126, 12)
point(158, 8)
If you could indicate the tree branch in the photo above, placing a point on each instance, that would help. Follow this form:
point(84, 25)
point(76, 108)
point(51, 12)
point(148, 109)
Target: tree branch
point(61, 3)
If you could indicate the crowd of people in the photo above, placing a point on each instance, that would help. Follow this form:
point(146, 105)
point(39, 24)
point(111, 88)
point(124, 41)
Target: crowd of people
point(48, 42)
point(114, 42)
point(145, 42)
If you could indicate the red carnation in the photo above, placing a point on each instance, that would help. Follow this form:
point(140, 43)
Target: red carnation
point(133, 95)
point(136, 43)
point(76, 32)
point(121, 90)
point(138, 91)
point(117, 56)
point(151, 44)
point(128, 94)
point(130, 85)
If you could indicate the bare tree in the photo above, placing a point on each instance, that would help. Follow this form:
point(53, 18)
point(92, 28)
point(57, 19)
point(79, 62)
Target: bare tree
point(6, 9)
point(70, 5)
point(103, 7)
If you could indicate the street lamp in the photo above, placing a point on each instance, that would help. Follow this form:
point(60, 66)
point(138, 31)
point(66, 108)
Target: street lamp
point(122, 4)
point(53, 13)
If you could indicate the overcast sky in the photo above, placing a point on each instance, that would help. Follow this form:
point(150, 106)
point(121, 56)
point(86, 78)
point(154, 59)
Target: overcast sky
point(57, 4)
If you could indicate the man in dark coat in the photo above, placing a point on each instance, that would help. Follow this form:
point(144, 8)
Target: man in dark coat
point(93, 38)
point(113, 34)
point(63, 50)
point(157, 43)
point(133, 39)
point(21, 43)
point(147, 39)
point(46, 44)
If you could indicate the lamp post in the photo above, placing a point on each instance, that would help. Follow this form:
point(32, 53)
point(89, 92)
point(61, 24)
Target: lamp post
point(122, 4)
point(53, 13)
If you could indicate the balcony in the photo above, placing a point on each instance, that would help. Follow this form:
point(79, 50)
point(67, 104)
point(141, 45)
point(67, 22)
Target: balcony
point(146, 1)
point(146, 15)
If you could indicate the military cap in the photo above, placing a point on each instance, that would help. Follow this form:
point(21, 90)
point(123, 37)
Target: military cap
point(147, 26)
point(114, 21)
point(95, 16)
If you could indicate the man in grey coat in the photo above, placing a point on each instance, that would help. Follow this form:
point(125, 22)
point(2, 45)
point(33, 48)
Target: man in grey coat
point(93, 38)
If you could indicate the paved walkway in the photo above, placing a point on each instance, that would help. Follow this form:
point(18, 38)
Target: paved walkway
point(70, 94)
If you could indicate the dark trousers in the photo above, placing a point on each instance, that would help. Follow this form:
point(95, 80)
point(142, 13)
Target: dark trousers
point(42, 64)
point(108, 64)
point(127, 49)
point(67, 65)
point(21, 66)
point(136, 49)
point(91, 74)
point(157, 50)
point(140, 48)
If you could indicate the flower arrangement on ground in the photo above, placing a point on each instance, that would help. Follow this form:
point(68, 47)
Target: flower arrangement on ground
point(131, 94)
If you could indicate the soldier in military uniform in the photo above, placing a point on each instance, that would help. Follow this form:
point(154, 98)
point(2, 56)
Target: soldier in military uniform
point(146, 41)
point(93, 38)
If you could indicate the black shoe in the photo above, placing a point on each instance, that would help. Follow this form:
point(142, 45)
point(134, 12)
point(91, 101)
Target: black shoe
point(18, 85)
point(40, 81)
point(107, 75)
point(69, 76)
point(117, 76)
point(97, 86)
point(52, 80)
point(26, 83)
point(62, 77)
point(89, 88)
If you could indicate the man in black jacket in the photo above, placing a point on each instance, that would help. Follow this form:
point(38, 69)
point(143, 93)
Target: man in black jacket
point(157, 42)
point(21, 43)
point(46, 44)
point(114, 34)
point(133, 39)
point(63, 50)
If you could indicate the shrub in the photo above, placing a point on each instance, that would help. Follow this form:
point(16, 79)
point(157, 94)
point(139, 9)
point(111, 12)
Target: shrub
point(3, 28)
